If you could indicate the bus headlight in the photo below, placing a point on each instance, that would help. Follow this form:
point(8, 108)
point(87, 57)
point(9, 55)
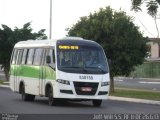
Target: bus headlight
point(63, 81)
point(104, 83)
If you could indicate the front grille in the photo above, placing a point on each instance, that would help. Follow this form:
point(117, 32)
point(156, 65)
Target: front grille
point(79, 85)
point(66, 91)
point(102, 93)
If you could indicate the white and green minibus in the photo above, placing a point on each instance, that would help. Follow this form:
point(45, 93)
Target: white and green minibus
point(65, 69)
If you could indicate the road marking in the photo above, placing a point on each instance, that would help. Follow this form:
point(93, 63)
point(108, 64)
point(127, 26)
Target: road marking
point(149, 82)
point(118, 80)
point(155, 89)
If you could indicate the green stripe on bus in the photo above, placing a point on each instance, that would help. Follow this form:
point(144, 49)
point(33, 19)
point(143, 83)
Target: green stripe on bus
point(44, 72)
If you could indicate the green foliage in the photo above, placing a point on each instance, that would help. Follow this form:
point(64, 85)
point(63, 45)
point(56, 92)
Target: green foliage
point(118, 35)
point(152, 9)
point(9, 37)
point(136, 5)
point(152, 6)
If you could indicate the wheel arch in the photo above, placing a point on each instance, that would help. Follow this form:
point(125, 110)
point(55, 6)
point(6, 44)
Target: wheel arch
point(21, 83)
point(47, 87)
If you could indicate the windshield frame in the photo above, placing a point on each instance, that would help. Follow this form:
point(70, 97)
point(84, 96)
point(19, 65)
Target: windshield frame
point(83, 69)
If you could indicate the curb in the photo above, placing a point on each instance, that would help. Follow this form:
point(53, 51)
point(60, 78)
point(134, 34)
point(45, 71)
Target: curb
point(134, 100)
point(6, 86)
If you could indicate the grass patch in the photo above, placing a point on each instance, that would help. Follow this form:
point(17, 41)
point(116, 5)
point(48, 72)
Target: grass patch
point(140, 94)
point(1, 81)
point(4, 82)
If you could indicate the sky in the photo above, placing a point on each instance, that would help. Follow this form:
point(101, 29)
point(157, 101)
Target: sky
point(65, 13)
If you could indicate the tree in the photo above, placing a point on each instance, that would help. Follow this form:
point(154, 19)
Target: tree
point(123, 44)
point(152, 8)
point(9, 37)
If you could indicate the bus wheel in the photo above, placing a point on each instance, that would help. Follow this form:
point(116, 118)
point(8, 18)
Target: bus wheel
point(97, 103)
point(31, 97)
point(51, 100)
point(26, 97)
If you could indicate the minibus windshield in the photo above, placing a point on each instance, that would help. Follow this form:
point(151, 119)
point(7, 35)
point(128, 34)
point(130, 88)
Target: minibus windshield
point(81, 59)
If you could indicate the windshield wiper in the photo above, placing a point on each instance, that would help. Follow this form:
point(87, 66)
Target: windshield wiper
point(103, 71)
point(75, 67)
point(69, 67)
point(85, 70)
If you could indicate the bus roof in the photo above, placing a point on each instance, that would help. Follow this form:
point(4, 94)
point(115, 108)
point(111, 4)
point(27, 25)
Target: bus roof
point(35, 43)
point(50, 43)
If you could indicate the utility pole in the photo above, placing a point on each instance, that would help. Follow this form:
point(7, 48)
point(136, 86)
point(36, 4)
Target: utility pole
point(50, 25)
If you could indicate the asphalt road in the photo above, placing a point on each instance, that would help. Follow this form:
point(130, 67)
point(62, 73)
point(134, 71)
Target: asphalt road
point(2, 77)
point(145, 84)
point(11, 103)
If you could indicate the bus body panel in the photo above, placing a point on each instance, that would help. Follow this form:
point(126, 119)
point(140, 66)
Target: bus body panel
point(32, 77)
point(75, 78)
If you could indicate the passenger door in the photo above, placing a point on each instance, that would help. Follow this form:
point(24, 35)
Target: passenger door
point(17, 69)
point(42, 75)
point(47, 71)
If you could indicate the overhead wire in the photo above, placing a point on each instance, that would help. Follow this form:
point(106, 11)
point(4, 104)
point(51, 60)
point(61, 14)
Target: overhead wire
point(144, 26)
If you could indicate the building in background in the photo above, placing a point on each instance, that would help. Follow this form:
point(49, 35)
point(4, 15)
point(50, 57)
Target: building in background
point(153, 49)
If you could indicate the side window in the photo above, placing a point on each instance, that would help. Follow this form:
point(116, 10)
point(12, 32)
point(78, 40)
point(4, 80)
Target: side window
point(30, 56)
point(11, 59)
point(24, 57)
point(14, 56)
point(52, 55)
point(44, 53)
point(38, 56)
point(19, 55)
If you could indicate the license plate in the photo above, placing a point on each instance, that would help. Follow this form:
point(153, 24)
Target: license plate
point(86, 89)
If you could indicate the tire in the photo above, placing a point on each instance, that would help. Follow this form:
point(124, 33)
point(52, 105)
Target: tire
point(31, 97)
point(51, 100)
point(23, 94)
point(26, 97)
point(97, 103)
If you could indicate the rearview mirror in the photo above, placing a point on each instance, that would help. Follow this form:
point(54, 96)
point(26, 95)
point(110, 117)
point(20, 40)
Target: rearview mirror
point(48, 59)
